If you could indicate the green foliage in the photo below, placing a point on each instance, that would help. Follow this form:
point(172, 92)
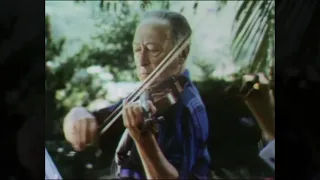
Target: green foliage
point(53, 81)
point(221, 4)
point(206, 68)
point(112, 48)
point(110, 6)
point(70, 82)
point(253, 40)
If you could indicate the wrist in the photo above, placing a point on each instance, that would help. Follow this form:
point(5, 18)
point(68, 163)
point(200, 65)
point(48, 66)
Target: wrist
point(144, 139)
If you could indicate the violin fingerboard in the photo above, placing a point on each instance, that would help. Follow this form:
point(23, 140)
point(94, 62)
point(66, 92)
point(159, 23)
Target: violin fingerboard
point(144, 100)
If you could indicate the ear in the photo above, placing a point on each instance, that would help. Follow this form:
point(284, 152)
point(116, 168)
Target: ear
point(184, 54)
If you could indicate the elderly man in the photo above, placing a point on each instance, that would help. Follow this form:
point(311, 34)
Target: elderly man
point(179, 149)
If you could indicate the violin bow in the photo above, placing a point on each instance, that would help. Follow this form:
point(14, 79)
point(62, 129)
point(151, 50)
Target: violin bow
point(109, 121)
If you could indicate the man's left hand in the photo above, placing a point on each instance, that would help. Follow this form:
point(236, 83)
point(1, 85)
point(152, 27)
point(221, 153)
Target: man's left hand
point(132, 115)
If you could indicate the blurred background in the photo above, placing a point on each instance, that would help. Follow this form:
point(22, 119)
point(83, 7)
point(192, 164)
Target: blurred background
point(89, 63)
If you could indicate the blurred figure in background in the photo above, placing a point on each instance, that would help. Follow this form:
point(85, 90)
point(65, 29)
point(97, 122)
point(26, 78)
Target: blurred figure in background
point(257, 92)
point(30, 137)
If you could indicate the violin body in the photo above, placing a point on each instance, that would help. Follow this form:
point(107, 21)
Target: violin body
point(167, 93)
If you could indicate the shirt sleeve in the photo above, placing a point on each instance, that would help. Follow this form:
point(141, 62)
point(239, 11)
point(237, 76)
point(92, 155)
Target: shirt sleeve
point(268, 154)
point(51, 171)
point(195, 156)
point(105, 141)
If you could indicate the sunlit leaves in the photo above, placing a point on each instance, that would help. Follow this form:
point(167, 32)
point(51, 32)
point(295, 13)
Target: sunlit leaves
point(82, 89)
point(53, 49)
point(221, 4)
point(101, 4)
point(166, 4)
point(195, 7)
point(253, 31)
point(115, 6)
point(47, 28)
point(206, 68)
point(113, 45)
point(110, 49)
point(145, 4)
point(253, 37)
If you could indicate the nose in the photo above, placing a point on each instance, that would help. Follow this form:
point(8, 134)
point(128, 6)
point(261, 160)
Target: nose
point(143, 58)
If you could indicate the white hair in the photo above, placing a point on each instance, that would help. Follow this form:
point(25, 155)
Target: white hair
point(180, 27)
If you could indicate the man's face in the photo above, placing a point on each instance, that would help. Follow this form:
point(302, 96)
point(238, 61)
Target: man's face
point(152, 42)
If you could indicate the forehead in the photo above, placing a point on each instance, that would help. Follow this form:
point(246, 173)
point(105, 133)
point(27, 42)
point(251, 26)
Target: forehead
point(153, 30)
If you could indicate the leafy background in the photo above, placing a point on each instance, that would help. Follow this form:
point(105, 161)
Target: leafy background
point(89, 62)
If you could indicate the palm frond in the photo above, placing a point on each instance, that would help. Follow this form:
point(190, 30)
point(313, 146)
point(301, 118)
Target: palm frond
point(254, 33)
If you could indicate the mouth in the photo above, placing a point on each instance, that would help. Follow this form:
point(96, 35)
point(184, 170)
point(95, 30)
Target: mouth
point(144, 72)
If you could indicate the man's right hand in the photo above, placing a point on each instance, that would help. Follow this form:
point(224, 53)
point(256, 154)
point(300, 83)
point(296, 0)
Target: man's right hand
point(80, 128)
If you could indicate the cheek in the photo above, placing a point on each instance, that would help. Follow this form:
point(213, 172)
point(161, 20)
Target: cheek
point(156, 60)
point(141, 77)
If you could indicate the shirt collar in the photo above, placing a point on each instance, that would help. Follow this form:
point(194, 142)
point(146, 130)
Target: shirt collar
point(186, 73)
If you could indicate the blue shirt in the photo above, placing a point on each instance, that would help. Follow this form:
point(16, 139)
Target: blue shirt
point(183, 141)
